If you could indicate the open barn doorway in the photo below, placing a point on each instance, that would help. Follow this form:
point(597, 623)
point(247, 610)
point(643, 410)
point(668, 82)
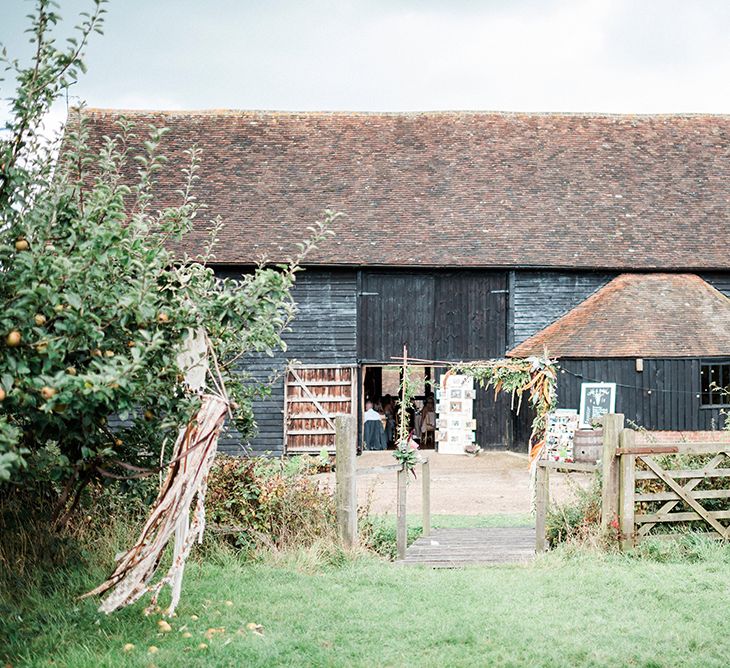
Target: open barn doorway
point(380, 400)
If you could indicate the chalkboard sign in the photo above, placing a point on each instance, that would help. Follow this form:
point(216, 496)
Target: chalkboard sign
point(596, 399)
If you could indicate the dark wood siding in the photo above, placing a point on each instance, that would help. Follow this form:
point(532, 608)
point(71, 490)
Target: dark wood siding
point(541, 297)
point(324, 332)
point(457, 315)
point(396, 309)
point(440, 315)
point(445, 315)
point(470, 315)
point(665, 396)
point(721, 281)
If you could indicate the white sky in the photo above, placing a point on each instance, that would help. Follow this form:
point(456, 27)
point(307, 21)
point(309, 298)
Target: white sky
point(640, 56)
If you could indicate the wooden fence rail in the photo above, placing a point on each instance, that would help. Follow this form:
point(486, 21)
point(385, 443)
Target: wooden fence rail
point(608, 464)
point(346, 473)
point(542, 493)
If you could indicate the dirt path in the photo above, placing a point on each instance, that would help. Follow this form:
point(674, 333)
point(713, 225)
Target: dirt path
point(493, 483)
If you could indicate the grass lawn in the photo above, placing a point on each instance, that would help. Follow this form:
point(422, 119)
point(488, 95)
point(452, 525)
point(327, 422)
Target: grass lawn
point(560, 611)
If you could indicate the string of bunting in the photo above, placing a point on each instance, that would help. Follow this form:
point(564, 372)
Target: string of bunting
point(649, 390)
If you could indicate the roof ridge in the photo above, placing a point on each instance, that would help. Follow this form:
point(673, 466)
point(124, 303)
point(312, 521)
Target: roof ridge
point(413, 113)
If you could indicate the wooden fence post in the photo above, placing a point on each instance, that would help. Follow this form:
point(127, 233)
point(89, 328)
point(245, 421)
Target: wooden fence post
point(542, 499)
point(627, 489)
point(612, 426)
point(402, 525)
point(426, 497)
point(346, 480)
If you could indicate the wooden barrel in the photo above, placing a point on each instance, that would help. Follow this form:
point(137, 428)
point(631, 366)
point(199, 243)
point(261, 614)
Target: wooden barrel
point(587, 445)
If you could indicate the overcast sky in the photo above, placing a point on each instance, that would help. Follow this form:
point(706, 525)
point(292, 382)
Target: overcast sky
point(639, 56)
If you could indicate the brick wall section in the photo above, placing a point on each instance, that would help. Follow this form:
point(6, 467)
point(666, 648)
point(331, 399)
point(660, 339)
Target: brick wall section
point(659, 437)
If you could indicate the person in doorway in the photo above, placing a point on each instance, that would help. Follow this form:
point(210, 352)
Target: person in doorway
point(389, 410)
point(373, 432)
point(428, 423)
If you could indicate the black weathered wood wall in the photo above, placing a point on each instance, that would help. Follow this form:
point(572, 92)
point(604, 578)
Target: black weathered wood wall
point(324, 332)
point(440, 315)
point(365, 316)
point(720, 280)
point(540, 297)
point(664, 396)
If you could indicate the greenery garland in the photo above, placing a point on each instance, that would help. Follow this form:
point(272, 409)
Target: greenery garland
point(537, 376)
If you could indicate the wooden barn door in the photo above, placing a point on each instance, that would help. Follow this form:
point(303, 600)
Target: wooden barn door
point(313, 397)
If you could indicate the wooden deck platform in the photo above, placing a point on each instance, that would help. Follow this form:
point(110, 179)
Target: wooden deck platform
point(454, 548)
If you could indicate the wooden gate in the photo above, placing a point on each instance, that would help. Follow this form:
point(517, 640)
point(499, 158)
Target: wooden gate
point(313, 397)
point(677, 485)
point(657, 490)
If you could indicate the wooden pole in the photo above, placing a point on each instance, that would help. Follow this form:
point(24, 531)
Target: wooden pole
point(346, 480)
point(402, 435)
point(542, 499)
point(426, 497)
point(627, 489)
point(612, 426)
point(402, 526)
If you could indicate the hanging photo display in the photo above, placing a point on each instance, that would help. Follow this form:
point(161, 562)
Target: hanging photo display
point(559, 434)
point(455, 408)
point(596, 400)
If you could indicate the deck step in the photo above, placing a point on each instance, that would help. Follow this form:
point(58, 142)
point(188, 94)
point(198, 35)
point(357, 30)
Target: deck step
point(455, 548)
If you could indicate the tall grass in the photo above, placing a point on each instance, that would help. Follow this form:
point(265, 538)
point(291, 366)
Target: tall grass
point(33, 551)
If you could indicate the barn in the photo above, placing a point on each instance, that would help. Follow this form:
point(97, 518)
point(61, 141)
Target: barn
point(598, 238)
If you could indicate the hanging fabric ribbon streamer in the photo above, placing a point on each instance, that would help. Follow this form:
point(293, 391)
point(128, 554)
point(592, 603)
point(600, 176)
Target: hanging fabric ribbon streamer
point(185, 485)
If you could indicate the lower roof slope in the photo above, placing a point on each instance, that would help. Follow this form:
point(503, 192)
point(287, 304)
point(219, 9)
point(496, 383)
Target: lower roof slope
point(453, 188)
point(640, 315)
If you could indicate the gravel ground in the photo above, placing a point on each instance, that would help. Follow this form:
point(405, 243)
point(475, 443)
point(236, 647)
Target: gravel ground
point(493, 483)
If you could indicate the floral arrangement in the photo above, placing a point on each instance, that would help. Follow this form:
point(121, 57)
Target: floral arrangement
point(535, 375)
point(407, 456)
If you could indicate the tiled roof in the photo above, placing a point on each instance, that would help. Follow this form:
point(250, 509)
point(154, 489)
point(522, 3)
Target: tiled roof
point(457, 188)
point(640, 315)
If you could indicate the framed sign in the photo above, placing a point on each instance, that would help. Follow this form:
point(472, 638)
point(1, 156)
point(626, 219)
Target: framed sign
point(596, 399)
point(455, 408)
point(559, 433)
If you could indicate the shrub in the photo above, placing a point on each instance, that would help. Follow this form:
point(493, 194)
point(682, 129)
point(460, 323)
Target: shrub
point(31, 553)
point(379, 535)
point(685, 547)
point(271, 503)
point(579, 520)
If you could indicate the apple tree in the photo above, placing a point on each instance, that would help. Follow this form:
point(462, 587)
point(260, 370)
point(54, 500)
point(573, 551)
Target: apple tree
point(94, 307)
